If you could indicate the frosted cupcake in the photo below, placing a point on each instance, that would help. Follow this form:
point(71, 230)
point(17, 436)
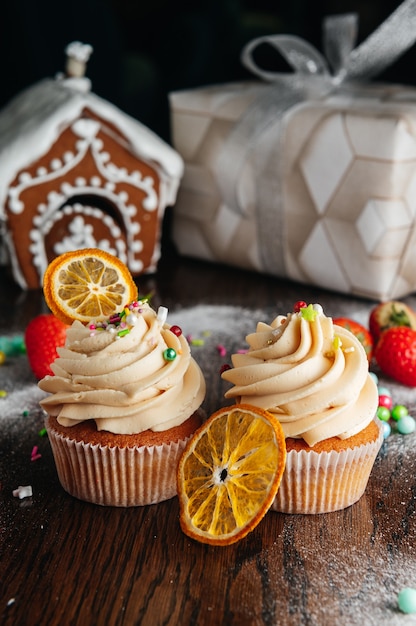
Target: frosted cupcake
point(124, 399)
point(313, 376)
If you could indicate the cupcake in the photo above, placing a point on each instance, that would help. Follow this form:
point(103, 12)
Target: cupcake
point(124, 399)
point(313, 376)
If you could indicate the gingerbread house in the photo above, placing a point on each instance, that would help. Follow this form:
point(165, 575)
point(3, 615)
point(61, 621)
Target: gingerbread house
point(77, 172)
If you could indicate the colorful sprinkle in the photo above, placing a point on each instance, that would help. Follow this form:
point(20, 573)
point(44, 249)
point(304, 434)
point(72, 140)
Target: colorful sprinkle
point(169, 354)
point(222, 351)
point(3, 393)
point(300, 304)
point(386, 401)
point(35, 454)
point(406, 425)
point(176, 330)
point(2, 357)
point(42, 432)
point(23, 492)
point(399, 411)
point(12, 346)
point(386, 430)
point(337, 343)
point(224, 368)
point(309, 313)
point(374, 377)
point(197, 342)
point(383, 413)
point(162, 314)
point(406, 600)
point(383, 391)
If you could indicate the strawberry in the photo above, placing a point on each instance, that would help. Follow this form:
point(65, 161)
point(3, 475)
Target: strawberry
point(360, 331)
point(43, 334)
point(388, 314)
point(395, 354)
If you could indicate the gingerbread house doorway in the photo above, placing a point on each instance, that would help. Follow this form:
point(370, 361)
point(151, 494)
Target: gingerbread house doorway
point(84, 222)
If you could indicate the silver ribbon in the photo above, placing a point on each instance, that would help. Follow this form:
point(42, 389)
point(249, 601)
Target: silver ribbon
point(314, 78)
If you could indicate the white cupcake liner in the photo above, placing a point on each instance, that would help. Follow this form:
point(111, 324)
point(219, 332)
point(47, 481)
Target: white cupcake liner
point(326, 481)
point(112, 476)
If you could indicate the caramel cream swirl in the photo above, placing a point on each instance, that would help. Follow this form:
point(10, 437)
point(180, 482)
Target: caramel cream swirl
point(126, 384)
point(311, 374)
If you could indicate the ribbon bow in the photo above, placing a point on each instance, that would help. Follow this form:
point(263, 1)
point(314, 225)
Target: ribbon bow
point(343, 61)
point(314, 77)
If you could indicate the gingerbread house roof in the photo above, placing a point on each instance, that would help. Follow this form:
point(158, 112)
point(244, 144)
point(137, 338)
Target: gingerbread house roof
point(99, 175)
point(34, 119)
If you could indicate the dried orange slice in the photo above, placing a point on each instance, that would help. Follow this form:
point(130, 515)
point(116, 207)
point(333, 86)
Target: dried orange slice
point(229, 474)
point(88, 284)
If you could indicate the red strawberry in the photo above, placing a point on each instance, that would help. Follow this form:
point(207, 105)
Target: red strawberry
point(43, 334)
point(395, 354)
point(360, 331)
point(389, 314)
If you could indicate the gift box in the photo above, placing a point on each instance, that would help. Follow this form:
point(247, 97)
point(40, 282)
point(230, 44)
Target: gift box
point(309, 175)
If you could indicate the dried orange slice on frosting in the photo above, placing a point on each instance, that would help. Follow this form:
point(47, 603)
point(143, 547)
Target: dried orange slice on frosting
point(229, 474)
point(88, 284)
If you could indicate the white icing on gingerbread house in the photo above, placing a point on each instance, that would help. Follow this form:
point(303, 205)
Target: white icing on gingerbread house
point(77, 172)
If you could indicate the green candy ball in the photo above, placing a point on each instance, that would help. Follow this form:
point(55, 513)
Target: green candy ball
point(383, 413)
point(399, 411)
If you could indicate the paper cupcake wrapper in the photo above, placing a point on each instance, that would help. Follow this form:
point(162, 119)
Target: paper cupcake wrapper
point(112, 476)
point(328, 481)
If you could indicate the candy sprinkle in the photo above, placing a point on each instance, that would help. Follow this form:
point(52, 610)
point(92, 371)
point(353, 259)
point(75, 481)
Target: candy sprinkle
point(300, 304)
point(222, 351)
point(399, 411)
point(35, 454)
point(169, 354)
point(406, 425)
point(386, 429)
point(23, 492)
point(162, 314)
point(309, 313)
point(406, 600)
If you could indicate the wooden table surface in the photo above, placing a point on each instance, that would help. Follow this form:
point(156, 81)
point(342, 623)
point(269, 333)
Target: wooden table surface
point(63, 561)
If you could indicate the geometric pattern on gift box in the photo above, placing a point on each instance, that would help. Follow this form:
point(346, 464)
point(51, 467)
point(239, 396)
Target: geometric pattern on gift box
point(384, 225)
point(360, 174)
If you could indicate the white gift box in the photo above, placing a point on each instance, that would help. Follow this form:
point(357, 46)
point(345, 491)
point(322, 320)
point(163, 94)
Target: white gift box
point(311, 179)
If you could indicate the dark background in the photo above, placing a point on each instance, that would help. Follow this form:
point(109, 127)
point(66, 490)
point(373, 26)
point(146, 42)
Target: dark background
point(143, 50)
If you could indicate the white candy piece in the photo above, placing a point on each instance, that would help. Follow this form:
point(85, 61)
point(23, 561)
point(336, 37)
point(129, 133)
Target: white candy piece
point(162, 314)
point(23, 492)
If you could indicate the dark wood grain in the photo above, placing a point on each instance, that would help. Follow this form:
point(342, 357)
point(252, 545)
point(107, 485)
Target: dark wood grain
point(63, 561)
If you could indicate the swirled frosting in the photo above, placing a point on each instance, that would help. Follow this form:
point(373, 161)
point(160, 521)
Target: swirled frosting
point(311, 374)
point(129, 378)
